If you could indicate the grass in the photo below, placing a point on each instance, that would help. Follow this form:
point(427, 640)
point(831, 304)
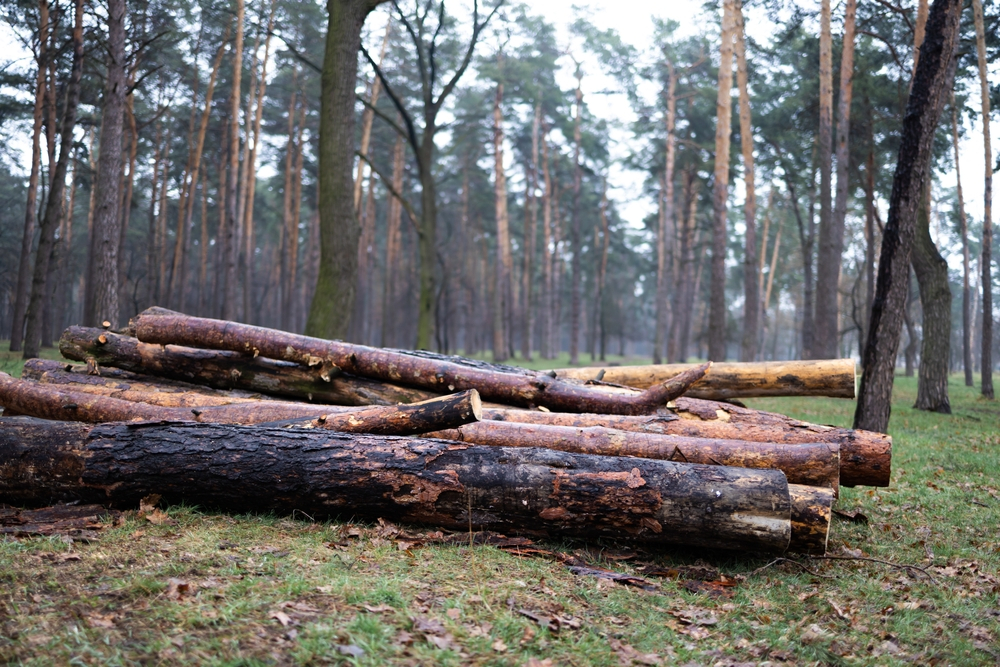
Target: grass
point(264, 590)
point(11, 363)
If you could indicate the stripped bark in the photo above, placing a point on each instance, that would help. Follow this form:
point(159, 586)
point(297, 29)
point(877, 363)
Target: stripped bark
point(533, 491)
point(424, 370)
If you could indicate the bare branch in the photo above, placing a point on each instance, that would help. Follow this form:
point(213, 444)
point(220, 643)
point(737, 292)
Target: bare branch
point(381, 114)
point(418, 44)
point(477, 28)
point(388, 186)
point(411, 133)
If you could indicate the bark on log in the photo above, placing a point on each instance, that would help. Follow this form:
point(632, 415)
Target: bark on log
point(228, 370)
point(523, 388)
point(828, 377)
point(31, 398)
point(865, 457)
point(812, 509)
point(534, 491)
point(815, 464)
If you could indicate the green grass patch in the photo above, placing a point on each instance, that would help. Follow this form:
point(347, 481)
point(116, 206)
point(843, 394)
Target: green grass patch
point(11, 363)
point(218, 589)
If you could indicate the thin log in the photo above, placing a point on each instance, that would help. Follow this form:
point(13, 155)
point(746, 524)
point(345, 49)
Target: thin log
point(432, 482)
point(865, 457)
point(816, 464)
point(229, 370)
point(45, 401)
point(828, 377)
point(496, 383)
point(812, 509)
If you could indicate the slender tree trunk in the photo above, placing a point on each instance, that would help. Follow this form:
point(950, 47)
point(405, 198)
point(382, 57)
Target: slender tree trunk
point(230, 242)
point(935, 299)
point(827, 261)
point(287, 285)
point(985, 262)
point(151, 234)
point(502, 290)
point(293, 248)
point(393, 238)
point(218, 278)
point(161, 225)
point(126, 211)
point(720, 194)
point(576, 296)
point(665, 231)
point(30, 212)
point(602, 271)
point(101, 304)
point(368, 119)
point(203, 247)
point(964, 232)
point(547, 300)
point(912, 340)
point(330, 310)
point(692, 282)
point(557, 268)
point(930, 85)
point(530, 222)
point(751, 282)
point(53, 207)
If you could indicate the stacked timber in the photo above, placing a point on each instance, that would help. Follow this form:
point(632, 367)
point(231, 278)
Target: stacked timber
point(239, 417)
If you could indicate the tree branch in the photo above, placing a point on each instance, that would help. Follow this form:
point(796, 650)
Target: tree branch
point(411, 133)
point(381, 114)
point(476, 29)
point(419, 46)
point(388, 186)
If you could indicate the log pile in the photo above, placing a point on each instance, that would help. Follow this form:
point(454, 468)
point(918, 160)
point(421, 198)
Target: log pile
point(239, 417)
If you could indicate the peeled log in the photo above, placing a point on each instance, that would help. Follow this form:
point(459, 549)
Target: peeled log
point(865, 457)
point(229, 370)
point(442, 374)
point(812, 509)
point(432, 482)
point(816, 464)
point(825, 377)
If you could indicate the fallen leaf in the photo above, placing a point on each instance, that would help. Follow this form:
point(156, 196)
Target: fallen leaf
point(178, 588)
point(499, 646)
point(616, 577)
point(627, 655)
point(454, 613)
point(351, 650)
point(160, 518)
point(101, 620)
point(535, 662)
point(281, 617)
point(551, 622)
point(148, 504)
point(813, 634)
point(377, 609)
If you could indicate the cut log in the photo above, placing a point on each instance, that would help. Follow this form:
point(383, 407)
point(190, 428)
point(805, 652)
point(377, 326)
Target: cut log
point(812, 509)
point(229, 370)
point(27, 397)
point(116, 383)
point(865, 457)
point(432, 482)
point(816, 464)
point(496, 383)
point(827, 377)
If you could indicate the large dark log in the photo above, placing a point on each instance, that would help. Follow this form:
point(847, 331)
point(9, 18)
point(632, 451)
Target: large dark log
point(433, 482)
point(827, 377)
point(27, 397)
point(865, 457)
point(816, 464)
point(812, 509)
point(229, 370)
point(501, 384)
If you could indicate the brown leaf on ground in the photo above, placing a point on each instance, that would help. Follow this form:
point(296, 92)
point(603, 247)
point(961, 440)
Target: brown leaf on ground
point(80, 522)
point(148, 504)
point(627, 655)
point(535, 662)
point(617, 577)
point(96, 620)
point(281, 617)
point(722, 588)
point(178, 589)
point(854, 516)
point(377, 609)
point(552, 622)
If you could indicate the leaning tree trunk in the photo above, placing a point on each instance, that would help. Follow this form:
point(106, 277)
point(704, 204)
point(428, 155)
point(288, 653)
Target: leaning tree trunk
point(720, 192)
point(986, 361)
point(935, 300)
point(53, 207)
point(825, 322)
point(930, 85)
point(432, 482)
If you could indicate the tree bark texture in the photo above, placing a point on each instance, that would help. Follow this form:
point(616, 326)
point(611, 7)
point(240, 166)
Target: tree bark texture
point(534, 491)
point(930, 85)
point(437, 373)
point(502, 293)
point(751, 283)
point(985, 262)
point(720, 192)
point(229, 250)
point(815, 464)
point(53, 206)
point(831, 377)
point(935, 300)
point(47, 401)
point(666, 219)
point(576, 233)
point(28, 235)
point(230, 370)
point(826, 321)
point(963, 229)
point(530, 223)
point(812, 509)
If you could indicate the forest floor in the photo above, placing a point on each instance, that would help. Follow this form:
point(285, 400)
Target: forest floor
point(187, 586)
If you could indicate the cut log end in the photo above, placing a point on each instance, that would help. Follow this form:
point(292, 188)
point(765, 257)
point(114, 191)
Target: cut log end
point(812, 509)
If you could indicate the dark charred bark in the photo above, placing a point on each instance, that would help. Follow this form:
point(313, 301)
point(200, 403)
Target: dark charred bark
point(431, 482)
point(930, 85)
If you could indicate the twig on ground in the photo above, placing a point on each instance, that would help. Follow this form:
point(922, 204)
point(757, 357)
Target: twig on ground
point(898, 566)
point(793, 562)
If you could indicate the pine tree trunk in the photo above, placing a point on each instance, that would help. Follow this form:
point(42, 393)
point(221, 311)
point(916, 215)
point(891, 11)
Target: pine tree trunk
point(547, 298)
point(530, 223)
point(393, 240)
point(576, 296)
point(229, 251)
point(930, 85)
point(963, 229)
point(720, 193)
point(602, 271)
point(869, 236)
point(502, 268)
point(126, 210)
point(288, 231)
point(751, 282)
point(54, 204)
point(935, 299)
point(158, 151)
point(368, 119)
point(826, 325)
point(986, 363)
point(665, 231)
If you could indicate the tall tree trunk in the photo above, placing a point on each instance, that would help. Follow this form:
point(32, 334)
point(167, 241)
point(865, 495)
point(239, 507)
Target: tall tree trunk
point(530, 222)
point(203, 247)
point(101, 303)
point(27, 239)
point(985, 262)
point(126, 210)
point(53, 207)
point(288, 231)
point(557, 266)
point(330, 310)
point(547, 299)
point(229, 252)
point(602, 271)
point(690, 270)
point(720, 194)
point(827, 262)
point(935, 300)
point(392, 242)
point(368, 119)
point(930, 85)
point(665, 231)
point(502, 289)
point(151, 273)
point(963, 228)
point(751, 282)
point(869, 235)
point(576, 233)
